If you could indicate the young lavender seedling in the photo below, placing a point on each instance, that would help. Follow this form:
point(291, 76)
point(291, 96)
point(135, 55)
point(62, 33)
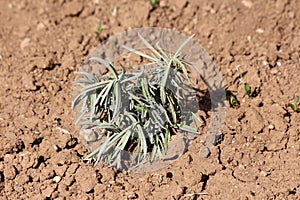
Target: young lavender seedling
point(138, 111)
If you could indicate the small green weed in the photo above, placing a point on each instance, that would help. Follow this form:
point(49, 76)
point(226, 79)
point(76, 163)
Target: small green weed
point(98, 32)
point(154, 2)
point(295, 105)
point(232, 101)
point(247, 89)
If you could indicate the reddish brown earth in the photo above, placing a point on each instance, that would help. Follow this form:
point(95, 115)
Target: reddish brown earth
point(42, 44)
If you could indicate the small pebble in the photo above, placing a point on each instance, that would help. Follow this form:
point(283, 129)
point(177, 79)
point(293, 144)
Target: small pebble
point(263, 173)
point(56, 179)
point(213, 11)
point(25, 43)
point(115, 11)
point(186, 29)
point(56, 148)
point(131, 196)
point(247, 3)
point(265, 63)
point(274, 71)
point(271, 127)
point(260, 30)
point(40, 26)
point(278, 64)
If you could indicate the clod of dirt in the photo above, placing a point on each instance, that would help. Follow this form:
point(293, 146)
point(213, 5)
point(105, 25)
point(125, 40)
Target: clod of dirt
point(68, 62)
point(13, 146)
point(53, 88)
point(108, 175)
point(29, 160)
point(72, 9)
point(22, 179)
point(62, 140)
point(60, 170)
point(47, 173)
point(99, 191)
point(254, 121)
point(67, 181)
point(28, 82)
point(86, 178)
point(132, 19)
point(278, 141)
point(46, 63)
point(179, 192)
point(179, 4)
point(246, 174)
point(280, 123)
point(204, 152)
point(72, 168)
point(48, 189)
point(10, 172)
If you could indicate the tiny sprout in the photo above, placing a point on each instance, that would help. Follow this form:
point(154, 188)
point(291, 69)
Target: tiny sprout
point(294, 105)
point(247, 89)
point(99, 30)
point(297, 99)
point(154, 2)
point(232, 101)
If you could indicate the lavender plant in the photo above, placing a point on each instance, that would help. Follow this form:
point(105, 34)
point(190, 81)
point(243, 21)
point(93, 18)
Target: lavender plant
point(138, 111)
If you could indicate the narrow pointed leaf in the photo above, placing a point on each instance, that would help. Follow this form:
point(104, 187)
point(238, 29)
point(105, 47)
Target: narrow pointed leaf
point(188, 129)
point(182, 45)
point(148, 45)
point(140, 53)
